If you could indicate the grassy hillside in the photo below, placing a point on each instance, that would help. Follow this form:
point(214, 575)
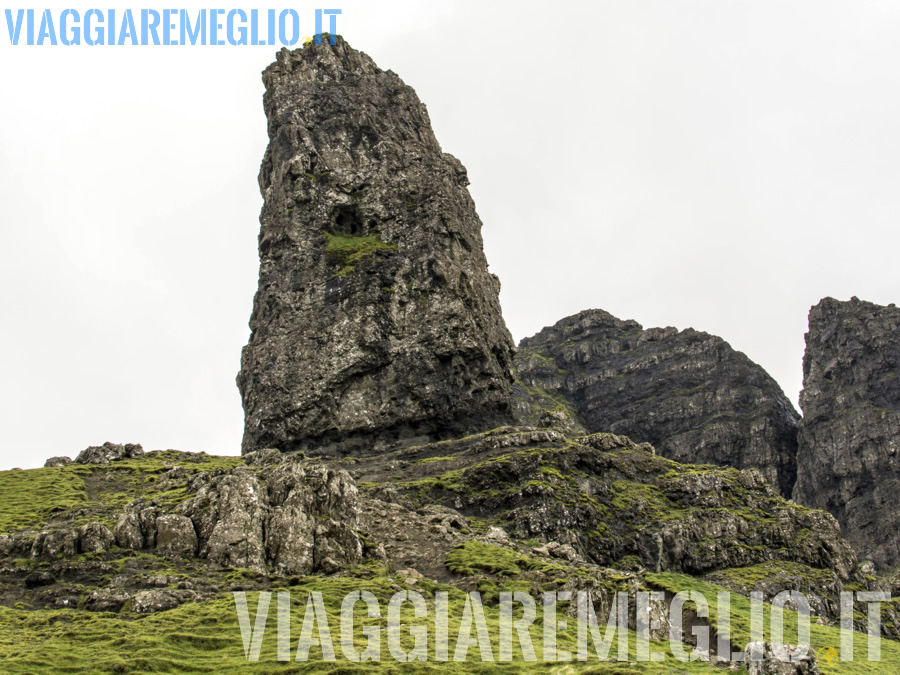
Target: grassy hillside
point(207, 638)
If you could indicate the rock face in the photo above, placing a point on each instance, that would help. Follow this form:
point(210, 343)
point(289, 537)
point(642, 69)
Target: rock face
point(688, 393)
point(615, 503)
point(376, 318)
point(285, 516)
point(849, 455)
point(47, 545)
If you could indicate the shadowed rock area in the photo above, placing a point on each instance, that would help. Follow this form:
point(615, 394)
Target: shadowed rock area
point(850, 433)
point(688, 393)
point(376, 319)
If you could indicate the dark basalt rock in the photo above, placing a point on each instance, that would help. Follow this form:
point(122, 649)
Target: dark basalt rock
point(688, 393)
point(376, 318)
point(850, 434)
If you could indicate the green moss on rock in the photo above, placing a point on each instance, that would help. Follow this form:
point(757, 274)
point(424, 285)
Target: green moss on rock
point(346, 251)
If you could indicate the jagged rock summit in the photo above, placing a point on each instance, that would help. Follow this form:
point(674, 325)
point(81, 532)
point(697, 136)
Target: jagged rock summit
point(376, 318)
point(688, 393)
point(849, 447)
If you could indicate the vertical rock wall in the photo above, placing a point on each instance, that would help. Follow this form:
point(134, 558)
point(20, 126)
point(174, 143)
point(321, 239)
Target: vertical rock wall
point(849, 447)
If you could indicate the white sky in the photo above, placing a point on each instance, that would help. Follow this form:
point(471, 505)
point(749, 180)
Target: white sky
point(712, 164)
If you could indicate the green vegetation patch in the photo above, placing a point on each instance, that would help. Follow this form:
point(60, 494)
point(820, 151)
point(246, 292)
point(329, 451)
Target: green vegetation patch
point(346, 251)
point(80, 493)
point(475, 557)
point(30, 496)
point(745, 579)
point(643, 501)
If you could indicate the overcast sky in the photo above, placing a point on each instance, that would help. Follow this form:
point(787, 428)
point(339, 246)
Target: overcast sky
point(712, 164)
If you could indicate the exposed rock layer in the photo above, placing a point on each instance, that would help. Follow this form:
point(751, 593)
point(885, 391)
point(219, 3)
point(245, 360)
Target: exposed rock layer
point(376, 317)
point(850, 434)
point(688, 393)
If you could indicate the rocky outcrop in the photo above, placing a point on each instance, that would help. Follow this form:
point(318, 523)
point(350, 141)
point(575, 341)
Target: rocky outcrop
point(688, 393)
point(54, 544)
point(595, 513)
point(106, 453)
point(615, 502)
point(376, 318)
point(93, 537)
point(279, 515)
point(849, 447)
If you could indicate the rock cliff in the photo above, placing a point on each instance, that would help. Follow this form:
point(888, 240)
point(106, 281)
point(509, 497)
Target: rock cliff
point(376, 318)
point(688, 393)
point(850, 433)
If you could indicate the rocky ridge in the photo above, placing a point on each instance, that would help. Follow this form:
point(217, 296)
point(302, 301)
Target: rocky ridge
point(849, 446)
point(688, 393)
point(376, 318)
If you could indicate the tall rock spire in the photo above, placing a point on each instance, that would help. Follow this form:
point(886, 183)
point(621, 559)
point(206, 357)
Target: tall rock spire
point(376, 319)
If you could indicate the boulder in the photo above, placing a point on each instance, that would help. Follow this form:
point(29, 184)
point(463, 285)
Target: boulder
point(94, 538)
point(57, 461)
point(107, 600)
point(108, 452)
point(763, 658)
point(175, 536)
point(39, 578)
point(148, 602)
